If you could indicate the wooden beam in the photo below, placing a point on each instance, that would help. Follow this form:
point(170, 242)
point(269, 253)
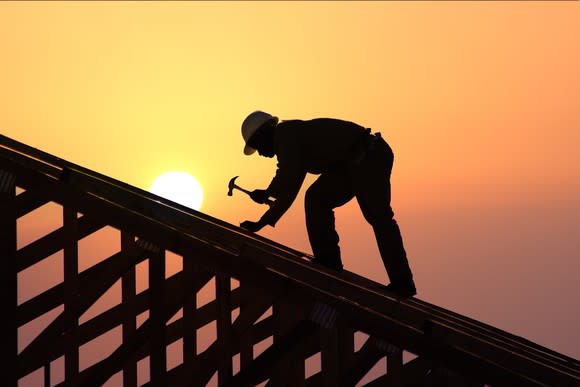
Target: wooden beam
point(157, 299)
point(337, 342)
point(471, 348)
point(471, 328)
point(107, 320)
point(189, 328)
point(98, 280)
point(15, 162)
point(414, 373)
point(40, 304)
point(260, 368)
point(53, 242)
point(395, 367)
point(129, 307)
point(224, 327)
point(117, 264)
point(248, 339)
point(99, 373)
point(71, 292)
point(8, 277)
point(287, 312)
point(491, 362)
point(362, 362)
point(31, 200)
point(243, 324)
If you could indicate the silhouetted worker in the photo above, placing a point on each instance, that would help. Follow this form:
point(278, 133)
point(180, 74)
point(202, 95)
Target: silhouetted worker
point(352, 162)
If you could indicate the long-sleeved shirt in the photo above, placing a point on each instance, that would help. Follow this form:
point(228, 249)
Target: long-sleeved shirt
point(302, 147)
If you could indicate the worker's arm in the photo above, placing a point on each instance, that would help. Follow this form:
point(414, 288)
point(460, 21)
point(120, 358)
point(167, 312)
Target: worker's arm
point(286, 183)
point(284, 188)
point(289, 177)
point(292, 181)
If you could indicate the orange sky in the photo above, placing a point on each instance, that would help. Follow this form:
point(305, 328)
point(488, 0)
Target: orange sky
point(479, 100)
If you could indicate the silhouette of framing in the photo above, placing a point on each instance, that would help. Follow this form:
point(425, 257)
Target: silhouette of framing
point(313, 310)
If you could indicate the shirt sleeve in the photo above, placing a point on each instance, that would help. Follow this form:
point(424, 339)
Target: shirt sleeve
point(289, 177)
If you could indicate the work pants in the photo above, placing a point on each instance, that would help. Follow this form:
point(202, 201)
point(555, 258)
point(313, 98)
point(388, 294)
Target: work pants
point(369, 181)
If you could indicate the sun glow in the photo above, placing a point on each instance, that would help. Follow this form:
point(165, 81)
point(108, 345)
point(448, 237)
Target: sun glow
point(180, 187)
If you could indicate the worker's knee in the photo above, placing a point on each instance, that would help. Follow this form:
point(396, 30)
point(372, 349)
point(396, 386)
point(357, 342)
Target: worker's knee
point(312, 199)
point(379, 217)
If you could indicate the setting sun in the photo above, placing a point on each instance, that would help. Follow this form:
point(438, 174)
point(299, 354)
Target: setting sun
point(180, 187)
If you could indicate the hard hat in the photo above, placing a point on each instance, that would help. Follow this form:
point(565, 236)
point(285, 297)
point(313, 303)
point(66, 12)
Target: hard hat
point(251, 124)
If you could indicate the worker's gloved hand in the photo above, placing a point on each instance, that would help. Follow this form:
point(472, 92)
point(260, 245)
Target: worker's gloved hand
point(259, 196)
point(252, 226)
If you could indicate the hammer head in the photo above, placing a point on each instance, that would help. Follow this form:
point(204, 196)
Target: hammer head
point(231, 185)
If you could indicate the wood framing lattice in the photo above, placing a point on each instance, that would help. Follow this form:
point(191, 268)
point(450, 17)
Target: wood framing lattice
point(276, 319)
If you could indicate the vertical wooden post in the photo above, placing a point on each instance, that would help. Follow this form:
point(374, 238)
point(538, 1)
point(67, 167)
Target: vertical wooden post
point(395, 366)
point(158, 358)
point(128, 288)
point(335, 341)
point(280, 328)
point(290, 369)
point(247, 339)
point(190, 359)
point(71, 293)
point(8, 278)
point(345, 338)
point(224, 326)
point(330, 357)
point(47, 375)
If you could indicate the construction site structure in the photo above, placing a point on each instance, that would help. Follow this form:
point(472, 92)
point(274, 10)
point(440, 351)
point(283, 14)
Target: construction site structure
point(265, 292)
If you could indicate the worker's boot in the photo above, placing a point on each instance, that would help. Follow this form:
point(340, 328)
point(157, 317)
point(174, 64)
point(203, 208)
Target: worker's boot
point(402, 289)
point(394, 258)
point(330, 260)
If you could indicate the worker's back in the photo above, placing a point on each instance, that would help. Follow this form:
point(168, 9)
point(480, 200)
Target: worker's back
point(317, 144)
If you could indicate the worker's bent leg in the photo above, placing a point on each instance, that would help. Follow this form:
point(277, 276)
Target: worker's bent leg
point(393, 253)
point(389, 240)
point(371, 182)
point(329, 191)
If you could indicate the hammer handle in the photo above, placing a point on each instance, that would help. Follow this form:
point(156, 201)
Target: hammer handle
point(269, 202)
point(242, 189)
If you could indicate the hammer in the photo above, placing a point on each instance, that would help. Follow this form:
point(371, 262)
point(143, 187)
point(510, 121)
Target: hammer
point(232, 185)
